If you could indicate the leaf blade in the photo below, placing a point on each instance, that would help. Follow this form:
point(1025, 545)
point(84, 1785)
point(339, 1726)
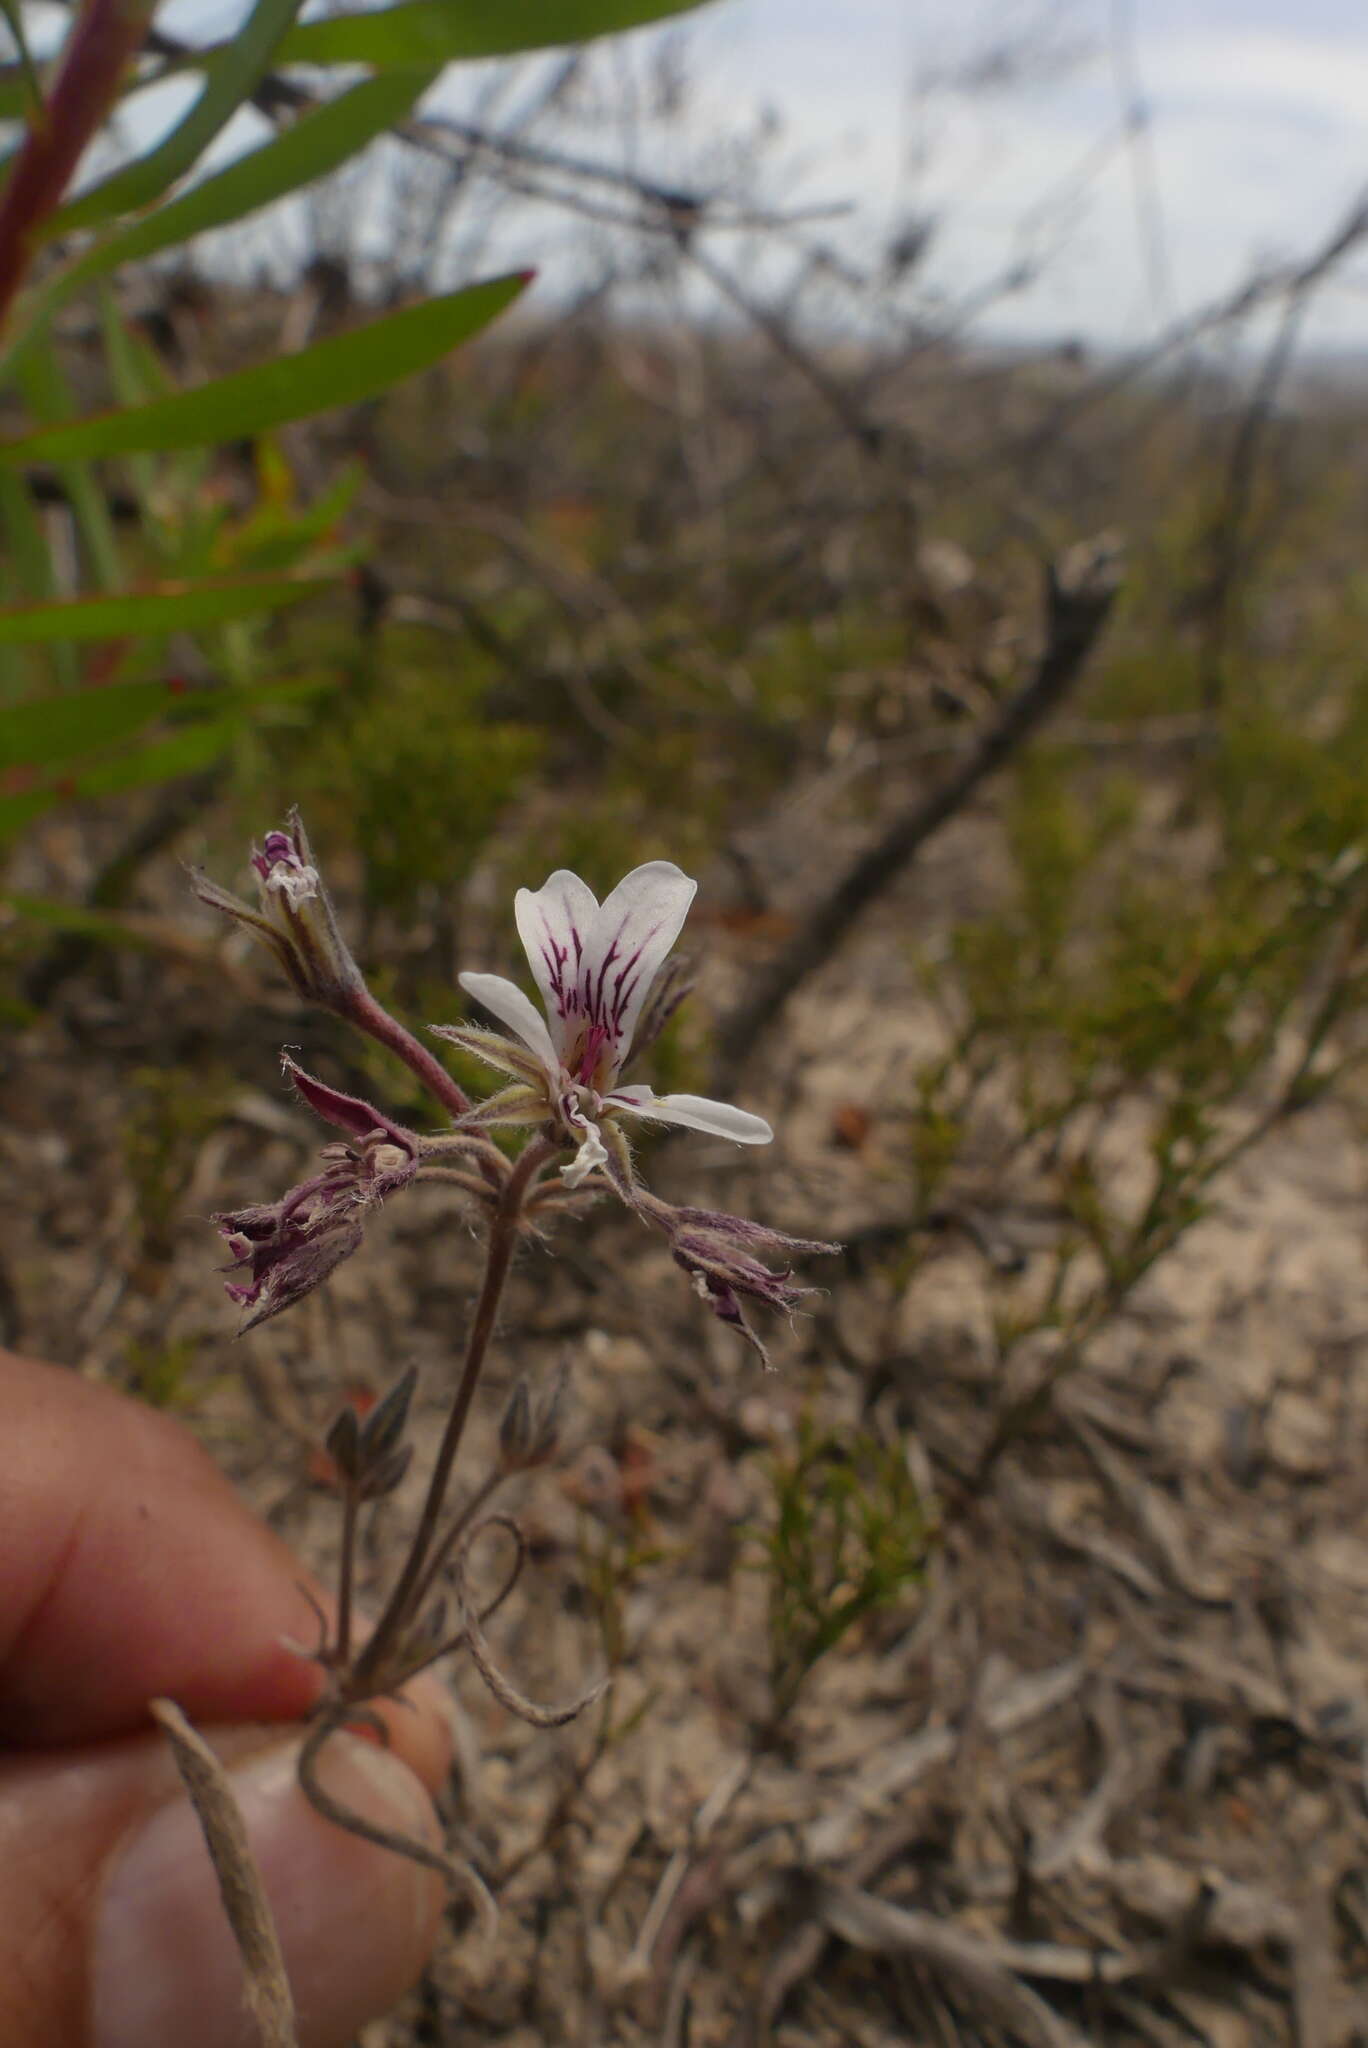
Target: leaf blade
point(342, 370)
point(317, 143)
point(437, 32)
point(229, 79)
point(168, 608)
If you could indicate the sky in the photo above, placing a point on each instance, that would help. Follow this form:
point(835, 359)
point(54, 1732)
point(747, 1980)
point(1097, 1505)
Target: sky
point(1143, 155)
point(1253, 140)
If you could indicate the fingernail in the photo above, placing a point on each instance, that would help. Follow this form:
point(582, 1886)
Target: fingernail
point(355, 1921)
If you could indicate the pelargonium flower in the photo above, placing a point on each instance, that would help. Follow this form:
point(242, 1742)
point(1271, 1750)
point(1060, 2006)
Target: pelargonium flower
point(719, 1253)
point(595, 965)
point(283, 1250)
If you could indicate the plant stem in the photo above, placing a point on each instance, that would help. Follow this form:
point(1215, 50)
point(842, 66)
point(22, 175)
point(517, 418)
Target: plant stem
point(411, 1585)
point(371, 1017)
point(454, 1528)
point(103, 39)
point(345, 1576)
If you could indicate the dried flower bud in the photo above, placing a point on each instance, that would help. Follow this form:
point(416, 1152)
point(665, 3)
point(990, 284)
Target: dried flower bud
point(384, 1474)
point(530, 1429)
point(343, 1444)
point(718, 1252)
point(295, 918)
point(288, 1247)
point(387, 1421)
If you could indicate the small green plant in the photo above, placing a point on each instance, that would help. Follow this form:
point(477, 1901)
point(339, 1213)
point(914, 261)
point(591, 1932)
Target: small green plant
point(847, 1540)
point(1205, 992)
point(160, 1374)
point(173, 1111)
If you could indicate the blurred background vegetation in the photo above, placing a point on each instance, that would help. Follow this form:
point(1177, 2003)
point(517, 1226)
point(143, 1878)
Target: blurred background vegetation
point(737, 561)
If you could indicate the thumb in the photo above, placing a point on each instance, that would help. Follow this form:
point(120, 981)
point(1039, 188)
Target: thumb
point(112, 1932)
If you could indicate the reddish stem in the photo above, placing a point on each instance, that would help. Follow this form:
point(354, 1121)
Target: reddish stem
point(106, 35)
point(361, 1009)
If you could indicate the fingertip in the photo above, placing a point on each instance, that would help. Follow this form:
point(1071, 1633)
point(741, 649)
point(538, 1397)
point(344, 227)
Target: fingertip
point(356, 1919)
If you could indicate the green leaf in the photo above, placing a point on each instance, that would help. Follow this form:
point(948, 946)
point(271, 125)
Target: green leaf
point(440, 31)
point(316, 144)
point(43, 382)
point(184, 752)
point(33, 91)
point(14, 93)
point(229, 80)
point(54, 728)
point(25, 541)
point(339, 371)
point(140, 614)
point(32, 570)
point(115, 927)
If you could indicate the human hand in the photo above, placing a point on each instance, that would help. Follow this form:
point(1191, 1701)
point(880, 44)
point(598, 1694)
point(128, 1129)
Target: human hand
point(129, 1569)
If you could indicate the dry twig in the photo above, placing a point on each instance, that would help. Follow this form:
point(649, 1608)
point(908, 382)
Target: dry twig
point(267, 1985)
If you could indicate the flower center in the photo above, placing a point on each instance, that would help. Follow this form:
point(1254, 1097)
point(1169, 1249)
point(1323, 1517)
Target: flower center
point(590, 1059)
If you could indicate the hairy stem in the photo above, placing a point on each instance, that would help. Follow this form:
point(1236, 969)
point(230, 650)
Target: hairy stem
point(371, 1017)
point(411, 1585)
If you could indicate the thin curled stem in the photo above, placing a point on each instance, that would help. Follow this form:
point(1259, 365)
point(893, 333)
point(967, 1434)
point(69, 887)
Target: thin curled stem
point(460, 1876)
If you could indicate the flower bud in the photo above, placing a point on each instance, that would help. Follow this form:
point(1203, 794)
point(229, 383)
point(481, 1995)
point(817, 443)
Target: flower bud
point(530, 1430)
point(283, 1250)
point(295, 918)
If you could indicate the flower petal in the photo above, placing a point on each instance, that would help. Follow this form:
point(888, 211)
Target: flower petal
point(695, 1112)
point(555, 924)
point(591, 1154)
point(634, 930)
point(506, 1001)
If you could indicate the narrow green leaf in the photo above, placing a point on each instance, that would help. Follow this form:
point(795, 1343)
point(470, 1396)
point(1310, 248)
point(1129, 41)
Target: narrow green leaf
point(14, 93)
point(29, 558)
point(47, 394)
point(140, 614)
point(25, 542)
point(228, 82)
point(316, 144)
point(33, 91)
point(181, 754)
point(440, 31)
point(339, 371)
point(135, 370)
point(54, 728)
point(114, 926)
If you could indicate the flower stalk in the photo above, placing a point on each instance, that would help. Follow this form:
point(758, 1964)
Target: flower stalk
point(606, 989)
point(104, 38)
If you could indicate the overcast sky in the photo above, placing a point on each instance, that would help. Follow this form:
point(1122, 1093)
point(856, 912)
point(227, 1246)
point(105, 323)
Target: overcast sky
point(1254, 139)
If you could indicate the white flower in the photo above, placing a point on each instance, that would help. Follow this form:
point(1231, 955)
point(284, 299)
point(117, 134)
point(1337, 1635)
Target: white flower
point(594, 964)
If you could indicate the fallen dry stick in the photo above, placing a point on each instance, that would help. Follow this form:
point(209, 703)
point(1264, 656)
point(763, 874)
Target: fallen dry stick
point(266, 1984)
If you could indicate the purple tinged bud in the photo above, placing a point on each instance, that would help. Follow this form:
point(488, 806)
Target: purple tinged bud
point(717, 1251)
point(284, 1249)
point(285, 1266)
point(348, 1113)
point(295, 919)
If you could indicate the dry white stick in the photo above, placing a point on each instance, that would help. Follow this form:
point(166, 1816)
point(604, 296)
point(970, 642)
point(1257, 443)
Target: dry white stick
point(267, 1986)
point(638, 1963)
